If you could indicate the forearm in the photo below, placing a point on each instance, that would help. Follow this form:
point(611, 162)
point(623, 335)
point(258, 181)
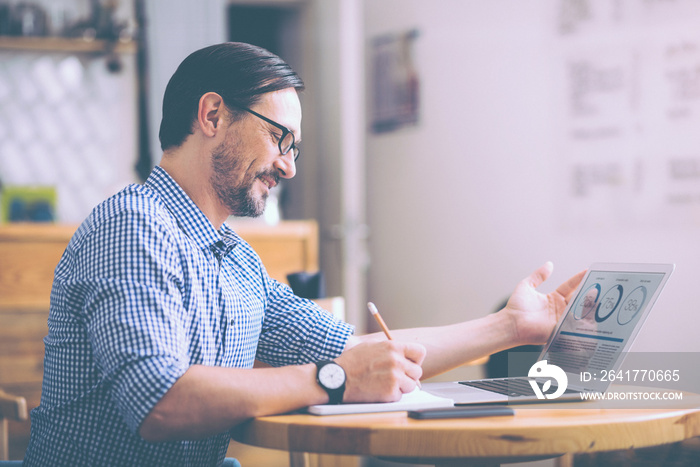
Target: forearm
point(528, 318)
point(453, 345)
point(209, 400)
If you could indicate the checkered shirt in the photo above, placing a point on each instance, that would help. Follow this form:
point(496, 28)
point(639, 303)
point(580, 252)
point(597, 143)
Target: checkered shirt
point(146, 288)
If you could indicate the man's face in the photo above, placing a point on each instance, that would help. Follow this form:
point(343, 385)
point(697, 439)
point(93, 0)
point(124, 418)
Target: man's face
point(248, 163)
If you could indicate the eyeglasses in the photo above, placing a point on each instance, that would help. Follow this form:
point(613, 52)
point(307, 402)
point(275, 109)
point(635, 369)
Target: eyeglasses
point(286, 142)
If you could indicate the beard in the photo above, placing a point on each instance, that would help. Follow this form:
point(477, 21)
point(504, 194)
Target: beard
point(239, 197)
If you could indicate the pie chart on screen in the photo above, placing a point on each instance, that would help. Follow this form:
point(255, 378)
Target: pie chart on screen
point(632, 305)
point(609, 303)
point(587, 301)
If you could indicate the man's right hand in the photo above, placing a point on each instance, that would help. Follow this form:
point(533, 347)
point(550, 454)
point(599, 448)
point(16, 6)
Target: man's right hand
point(381, 371)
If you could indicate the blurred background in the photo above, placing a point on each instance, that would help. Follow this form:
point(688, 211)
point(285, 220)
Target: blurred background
point(450, 146)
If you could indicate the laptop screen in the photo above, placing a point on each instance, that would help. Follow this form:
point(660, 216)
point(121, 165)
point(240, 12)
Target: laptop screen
point(601, 322)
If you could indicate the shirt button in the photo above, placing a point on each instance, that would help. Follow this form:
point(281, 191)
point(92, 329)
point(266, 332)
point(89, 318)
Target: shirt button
point(232, 322)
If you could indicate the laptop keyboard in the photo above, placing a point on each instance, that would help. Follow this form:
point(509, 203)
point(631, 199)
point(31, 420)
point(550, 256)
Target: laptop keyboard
point(511, 387)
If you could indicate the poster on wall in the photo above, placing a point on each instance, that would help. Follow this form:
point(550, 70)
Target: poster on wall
point(394, 82)
point(628, 76)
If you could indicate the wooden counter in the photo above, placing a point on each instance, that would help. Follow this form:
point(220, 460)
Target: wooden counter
point(29, 254)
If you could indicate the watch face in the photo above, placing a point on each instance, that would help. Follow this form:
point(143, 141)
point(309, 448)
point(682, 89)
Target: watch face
point(331, 376)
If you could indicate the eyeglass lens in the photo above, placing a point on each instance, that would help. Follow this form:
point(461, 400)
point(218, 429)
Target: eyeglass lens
point(287, 143)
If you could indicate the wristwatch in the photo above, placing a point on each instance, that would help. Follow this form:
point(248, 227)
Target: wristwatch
point(331, 377)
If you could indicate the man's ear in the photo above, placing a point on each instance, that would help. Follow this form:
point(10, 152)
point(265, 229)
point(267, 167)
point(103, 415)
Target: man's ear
point(210, 113)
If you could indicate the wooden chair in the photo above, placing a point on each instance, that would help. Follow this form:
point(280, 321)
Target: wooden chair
point(11, 408)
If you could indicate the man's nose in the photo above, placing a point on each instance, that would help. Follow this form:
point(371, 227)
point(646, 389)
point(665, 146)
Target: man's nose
point(286, 166)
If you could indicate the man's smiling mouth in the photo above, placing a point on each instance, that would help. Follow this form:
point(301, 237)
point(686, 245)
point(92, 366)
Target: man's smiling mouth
point(268, 181)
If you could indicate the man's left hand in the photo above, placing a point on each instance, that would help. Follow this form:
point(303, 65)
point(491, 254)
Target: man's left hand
point(535, 314)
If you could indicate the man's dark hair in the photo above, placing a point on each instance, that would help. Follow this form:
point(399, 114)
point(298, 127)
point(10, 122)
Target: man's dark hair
point(240, 73)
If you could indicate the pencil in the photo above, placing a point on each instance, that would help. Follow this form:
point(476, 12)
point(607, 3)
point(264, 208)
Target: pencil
point(378, 317)
point(382, 324)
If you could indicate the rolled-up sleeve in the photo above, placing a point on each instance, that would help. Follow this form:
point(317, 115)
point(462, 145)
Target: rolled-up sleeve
point(128, 281)
point(297, 330)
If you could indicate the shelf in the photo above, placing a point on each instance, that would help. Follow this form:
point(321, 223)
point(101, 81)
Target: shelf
point(61, 44)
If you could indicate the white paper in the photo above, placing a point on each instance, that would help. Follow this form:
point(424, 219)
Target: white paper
point(414, 400)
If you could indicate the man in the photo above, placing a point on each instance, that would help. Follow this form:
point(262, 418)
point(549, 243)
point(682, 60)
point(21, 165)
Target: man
point(159, 309)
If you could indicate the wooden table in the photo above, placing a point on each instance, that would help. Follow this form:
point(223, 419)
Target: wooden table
point(546, 432)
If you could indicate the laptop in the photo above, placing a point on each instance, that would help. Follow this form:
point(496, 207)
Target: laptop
point(595, 331)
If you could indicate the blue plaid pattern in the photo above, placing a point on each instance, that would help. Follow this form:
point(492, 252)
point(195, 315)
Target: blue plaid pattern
point(146, 288)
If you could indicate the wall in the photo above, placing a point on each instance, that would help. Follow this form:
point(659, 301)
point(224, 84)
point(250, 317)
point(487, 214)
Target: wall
point(67, 121)
point(478, 194)
point(176, 28)
point(334, 133)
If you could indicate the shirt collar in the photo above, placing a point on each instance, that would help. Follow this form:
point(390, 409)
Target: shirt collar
point(189, 217)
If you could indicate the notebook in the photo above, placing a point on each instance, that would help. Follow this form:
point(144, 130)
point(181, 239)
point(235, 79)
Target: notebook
point(591, 338)
point(414, 400)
